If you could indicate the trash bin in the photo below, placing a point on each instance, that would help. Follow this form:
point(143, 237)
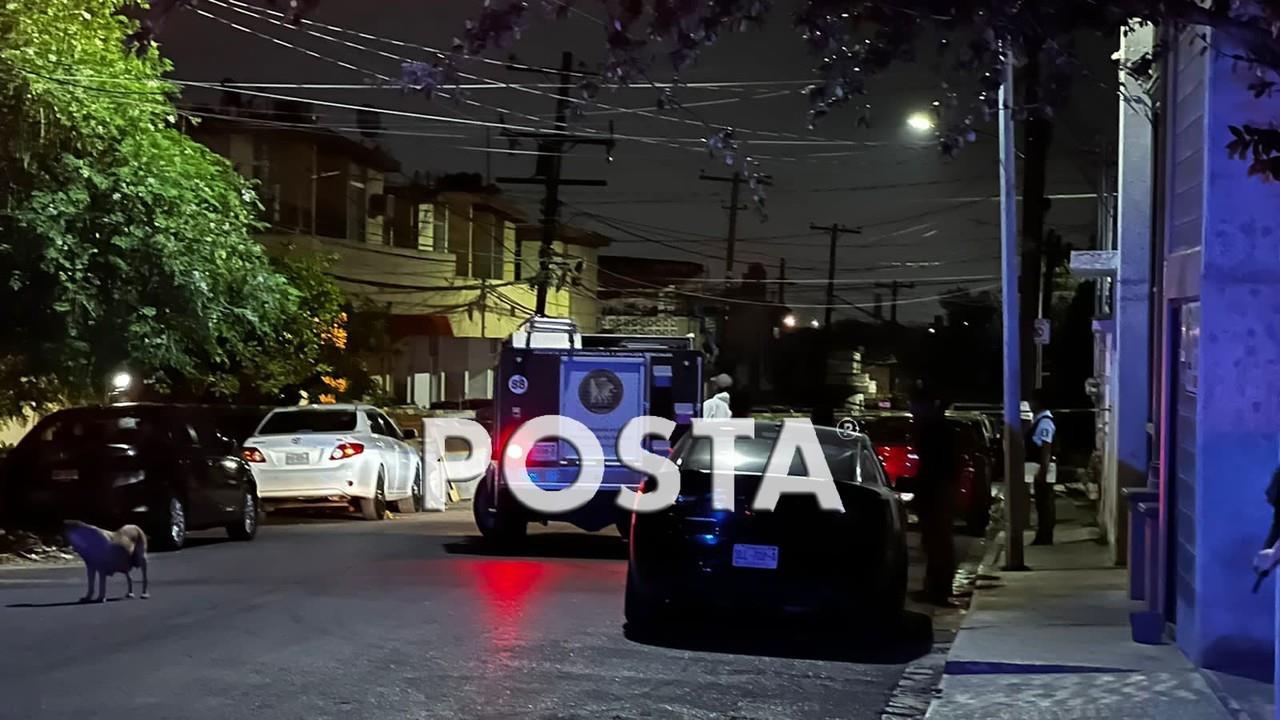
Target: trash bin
point(1138, 539)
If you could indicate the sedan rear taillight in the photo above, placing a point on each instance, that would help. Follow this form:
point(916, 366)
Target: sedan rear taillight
point(253, 455)
point(346, 450)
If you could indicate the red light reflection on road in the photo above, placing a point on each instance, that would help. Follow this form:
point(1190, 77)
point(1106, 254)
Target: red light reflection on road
point(510, 588)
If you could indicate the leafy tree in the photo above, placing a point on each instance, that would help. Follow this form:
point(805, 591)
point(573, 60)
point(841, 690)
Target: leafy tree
point(124, 243)
point(855, 40)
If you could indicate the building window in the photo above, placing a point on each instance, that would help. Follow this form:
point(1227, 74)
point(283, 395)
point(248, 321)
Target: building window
point(432, 227)
point(509, 244)
point(440, 219)
point(486, 247)
point(357, 203)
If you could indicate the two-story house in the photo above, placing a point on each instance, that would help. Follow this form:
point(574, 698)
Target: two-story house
point(451, 263)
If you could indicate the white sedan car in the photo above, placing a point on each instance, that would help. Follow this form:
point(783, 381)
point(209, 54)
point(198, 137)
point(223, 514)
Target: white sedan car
point(351, 453)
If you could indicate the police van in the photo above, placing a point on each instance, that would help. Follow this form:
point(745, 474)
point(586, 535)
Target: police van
point(603, 381)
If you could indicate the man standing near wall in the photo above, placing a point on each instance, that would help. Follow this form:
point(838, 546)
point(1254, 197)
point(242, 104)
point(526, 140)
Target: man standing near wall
point(1040, 454)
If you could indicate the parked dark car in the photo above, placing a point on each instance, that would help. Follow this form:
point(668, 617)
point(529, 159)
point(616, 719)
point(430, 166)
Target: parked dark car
point(893, 437)
point(168, 468)
point(849, 568)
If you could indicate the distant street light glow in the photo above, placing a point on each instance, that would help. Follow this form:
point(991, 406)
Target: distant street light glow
point(121, 381)
point(814, 324)
point(789, 320)
point(920, 122)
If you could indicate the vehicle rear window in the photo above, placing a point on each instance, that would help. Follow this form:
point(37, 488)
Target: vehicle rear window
point(753, 455)
point(889, 431)
point(290, 422)
point(96, 429)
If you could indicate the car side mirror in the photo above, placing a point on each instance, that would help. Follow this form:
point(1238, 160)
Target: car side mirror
point(409, 433)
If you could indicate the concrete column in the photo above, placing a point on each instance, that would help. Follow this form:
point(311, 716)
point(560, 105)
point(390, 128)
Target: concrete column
point(1238, 371)
point(1131, 402)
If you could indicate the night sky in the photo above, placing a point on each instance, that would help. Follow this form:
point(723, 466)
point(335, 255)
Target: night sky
point(922, 215)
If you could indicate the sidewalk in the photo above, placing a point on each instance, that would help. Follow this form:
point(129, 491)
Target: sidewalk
point(1055, 643)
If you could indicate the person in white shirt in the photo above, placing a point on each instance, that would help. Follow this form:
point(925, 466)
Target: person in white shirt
point(1040, 452)
point(717, 406)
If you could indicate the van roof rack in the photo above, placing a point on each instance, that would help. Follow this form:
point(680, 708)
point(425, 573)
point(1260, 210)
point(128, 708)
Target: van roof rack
point(638, 342)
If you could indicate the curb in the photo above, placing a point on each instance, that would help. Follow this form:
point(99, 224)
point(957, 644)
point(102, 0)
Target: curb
point(995, 548)
point(921, 680)
point(1228, 703)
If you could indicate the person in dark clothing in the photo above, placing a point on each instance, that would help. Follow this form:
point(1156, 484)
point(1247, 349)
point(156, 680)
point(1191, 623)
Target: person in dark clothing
point(1039, 452)
point(1273, 499)
point(935, 493)
point(1266, 560)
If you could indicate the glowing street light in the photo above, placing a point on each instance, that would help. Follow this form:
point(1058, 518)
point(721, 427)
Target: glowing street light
point(920, 122)
point(815, 324)
point(121, 381)
point(789, 320)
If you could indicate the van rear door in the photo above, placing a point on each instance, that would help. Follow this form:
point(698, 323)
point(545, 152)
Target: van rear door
point(604, 393)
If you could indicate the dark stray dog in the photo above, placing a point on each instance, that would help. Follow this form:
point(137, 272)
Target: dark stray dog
point(107, 553)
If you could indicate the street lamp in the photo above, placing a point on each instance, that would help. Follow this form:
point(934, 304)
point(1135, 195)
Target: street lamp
point(121, 381)
point(815, 324)
point(789, 320)
point(920, 122)
point(119, 385)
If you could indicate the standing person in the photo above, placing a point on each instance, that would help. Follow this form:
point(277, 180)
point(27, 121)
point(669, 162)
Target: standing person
point(1040, 453)
point(935, 493)
point(717, 406)
point(1266, 559)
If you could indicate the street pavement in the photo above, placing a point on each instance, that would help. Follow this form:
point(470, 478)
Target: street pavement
point(411, 618)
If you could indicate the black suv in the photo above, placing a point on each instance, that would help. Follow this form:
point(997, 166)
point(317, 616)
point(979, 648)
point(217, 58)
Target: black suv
point(167, 468)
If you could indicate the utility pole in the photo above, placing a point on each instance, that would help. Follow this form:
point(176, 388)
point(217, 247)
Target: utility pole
point(1039, 134)
point(782, 281)
point(893, 288)
point(826, 414)
point(1014, 475)
point(836, 231)
point(552, 147)
point(735, 193)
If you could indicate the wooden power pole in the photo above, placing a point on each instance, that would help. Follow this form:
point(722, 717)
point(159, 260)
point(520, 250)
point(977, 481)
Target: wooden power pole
point(735, 193)
point(552, 147)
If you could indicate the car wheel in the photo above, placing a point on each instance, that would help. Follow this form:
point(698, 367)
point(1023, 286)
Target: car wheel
point(375, 508)
point(643, 613)
point(246, 526)
point(496, 525)
point(979, 519)
point(413, 503)
point(173, 533)
point(893, 596)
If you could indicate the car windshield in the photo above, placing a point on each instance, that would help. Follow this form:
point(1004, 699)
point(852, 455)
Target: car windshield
point(129, 428)
point(752, 454)
point(888, 430)
point(291, 422)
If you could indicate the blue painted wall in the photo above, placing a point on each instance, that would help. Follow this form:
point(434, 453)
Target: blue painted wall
point(1237, 423)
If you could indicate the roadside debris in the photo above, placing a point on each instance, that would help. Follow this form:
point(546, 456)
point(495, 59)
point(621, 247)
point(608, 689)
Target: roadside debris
point(24, 546)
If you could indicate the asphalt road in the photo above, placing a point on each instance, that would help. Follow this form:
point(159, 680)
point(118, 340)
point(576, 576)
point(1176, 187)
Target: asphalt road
point(410, 618)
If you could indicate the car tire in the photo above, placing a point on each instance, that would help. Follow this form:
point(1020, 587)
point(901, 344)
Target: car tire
point(893, 597)
point(375, 508)
point(643, 613)
point(246, 526)
point(414, 502)
point(172, 532)
point(979, 518)
point(496, 525)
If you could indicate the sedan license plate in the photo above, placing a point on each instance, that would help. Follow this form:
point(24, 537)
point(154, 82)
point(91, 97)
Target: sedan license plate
point(756, 556)
point(66, 475)
point(297, 459)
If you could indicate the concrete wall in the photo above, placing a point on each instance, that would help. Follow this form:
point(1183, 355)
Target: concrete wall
point(1130, 396)
point(1237, 444)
